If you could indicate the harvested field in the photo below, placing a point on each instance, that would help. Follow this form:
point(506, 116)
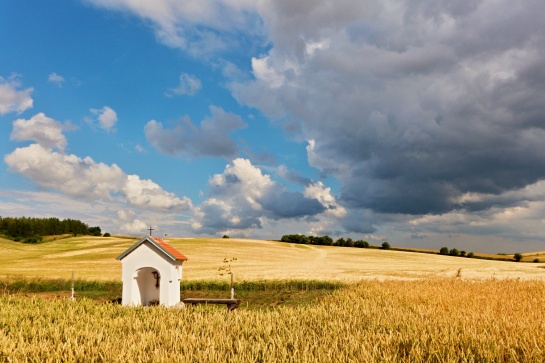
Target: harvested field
point(94, 258)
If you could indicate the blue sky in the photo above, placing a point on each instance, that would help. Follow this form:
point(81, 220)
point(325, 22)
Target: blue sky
point(420, 123)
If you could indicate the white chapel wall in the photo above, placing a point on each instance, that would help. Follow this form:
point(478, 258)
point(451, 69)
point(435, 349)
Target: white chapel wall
point(147, 255)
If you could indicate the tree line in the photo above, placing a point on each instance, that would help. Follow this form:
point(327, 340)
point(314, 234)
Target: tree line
point(328, 241)
point(32, 229)
point(455, 252)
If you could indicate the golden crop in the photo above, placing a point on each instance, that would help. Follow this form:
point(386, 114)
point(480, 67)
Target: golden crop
point(93, 258)
point(431, 320)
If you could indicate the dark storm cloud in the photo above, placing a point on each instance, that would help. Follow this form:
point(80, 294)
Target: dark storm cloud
point(412, 105)
point(284, 204)
point(358, 221)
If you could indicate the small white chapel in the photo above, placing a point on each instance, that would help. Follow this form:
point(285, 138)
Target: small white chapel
point(151, 273)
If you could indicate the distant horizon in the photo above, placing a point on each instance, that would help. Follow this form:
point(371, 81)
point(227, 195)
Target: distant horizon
point(374, 245)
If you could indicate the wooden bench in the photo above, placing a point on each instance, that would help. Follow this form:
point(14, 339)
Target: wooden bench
point(232, 304)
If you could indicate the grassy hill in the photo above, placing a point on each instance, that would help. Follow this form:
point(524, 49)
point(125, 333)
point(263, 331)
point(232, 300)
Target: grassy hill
point(93, 258)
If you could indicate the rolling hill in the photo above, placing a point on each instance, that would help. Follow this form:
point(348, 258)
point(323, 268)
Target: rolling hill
point(93, 258)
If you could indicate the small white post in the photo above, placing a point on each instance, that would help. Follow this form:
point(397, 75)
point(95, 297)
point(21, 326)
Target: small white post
point(72, 297)
point(232, 288)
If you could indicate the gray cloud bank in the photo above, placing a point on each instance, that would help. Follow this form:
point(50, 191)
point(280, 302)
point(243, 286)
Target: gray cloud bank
point(411, 105)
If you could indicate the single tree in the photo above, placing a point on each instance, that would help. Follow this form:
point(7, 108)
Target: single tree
point(95, 231)
point(361, 244)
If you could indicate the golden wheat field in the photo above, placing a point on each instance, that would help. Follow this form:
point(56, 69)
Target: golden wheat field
point(430, 320)
point(393, 307)
point(94, 258)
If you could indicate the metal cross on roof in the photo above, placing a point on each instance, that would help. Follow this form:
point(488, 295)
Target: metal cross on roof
point(150, 229)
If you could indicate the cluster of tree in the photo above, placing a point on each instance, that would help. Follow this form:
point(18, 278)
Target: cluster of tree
point(31, 230)
point(455, 252)
point(310, 240)
point(327, 241)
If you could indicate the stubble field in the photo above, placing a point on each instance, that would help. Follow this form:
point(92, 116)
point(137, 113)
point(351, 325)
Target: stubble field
point(93, 258)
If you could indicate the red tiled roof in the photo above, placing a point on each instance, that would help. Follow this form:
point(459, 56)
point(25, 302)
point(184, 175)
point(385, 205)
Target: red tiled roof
point(167, 247)
point(159, 243)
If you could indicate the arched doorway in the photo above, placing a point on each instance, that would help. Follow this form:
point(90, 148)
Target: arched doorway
point(147, 286)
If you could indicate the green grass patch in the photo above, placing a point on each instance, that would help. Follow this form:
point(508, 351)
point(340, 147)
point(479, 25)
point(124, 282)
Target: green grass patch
point(256, 299)
point(37, 285)
point(264, 285)
point(254, 294)
point(264, 294)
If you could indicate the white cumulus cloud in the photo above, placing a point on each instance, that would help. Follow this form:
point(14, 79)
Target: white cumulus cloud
point(129, 223)
point(56, 79)
point(12, 98)
point(243, 198)
point(320, 192)
point(263, 72)
point(146, 193)
point(189, 85)
point(67, 173)
point(40, 128)
point(87, 179)
point(106, 116)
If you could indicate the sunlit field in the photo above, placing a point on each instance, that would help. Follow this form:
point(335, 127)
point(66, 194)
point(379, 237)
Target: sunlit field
point(373, 306)
point(93, 258)
point(429, 320)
